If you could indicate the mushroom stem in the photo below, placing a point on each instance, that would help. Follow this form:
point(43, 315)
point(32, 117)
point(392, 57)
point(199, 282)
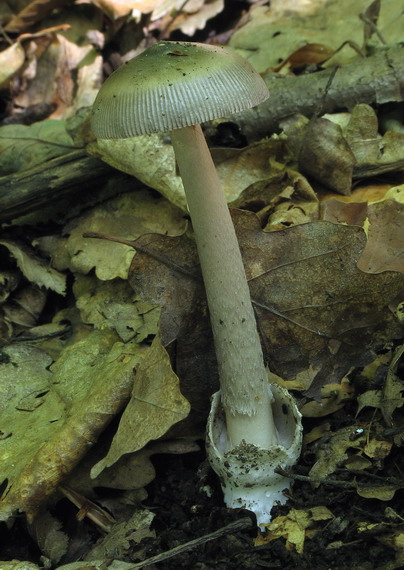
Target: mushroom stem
point(243, 376)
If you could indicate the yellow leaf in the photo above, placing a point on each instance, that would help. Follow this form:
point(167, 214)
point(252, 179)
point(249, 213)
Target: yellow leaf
point(11, 59)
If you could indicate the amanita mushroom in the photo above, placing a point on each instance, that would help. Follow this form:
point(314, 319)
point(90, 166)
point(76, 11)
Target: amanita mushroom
point(175, 86)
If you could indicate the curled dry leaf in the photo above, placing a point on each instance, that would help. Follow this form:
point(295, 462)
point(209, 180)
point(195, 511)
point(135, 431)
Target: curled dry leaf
point(35, 269)
point(310, 54)
point(326, 156)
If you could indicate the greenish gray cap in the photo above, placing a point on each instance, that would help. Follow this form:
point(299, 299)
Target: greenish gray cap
point(173, 85)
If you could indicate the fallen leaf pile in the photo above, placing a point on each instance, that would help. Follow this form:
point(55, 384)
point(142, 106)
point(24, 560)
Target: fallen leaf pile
point(107, 357)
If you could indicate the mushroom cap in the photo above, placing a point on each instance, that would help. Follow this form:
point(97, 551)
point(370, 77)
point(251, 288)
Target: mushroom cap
point(172, 85)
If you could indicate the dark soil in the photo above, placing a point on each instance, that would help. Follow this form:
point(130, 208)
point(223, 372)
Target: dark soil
point(361, 536)
point(184, 512)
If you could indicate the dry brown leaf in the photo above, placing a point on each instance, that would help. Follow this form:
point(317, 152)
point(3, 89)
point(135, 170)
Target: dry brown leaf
point(361, 134)
point(311, 300)
point(385, 246)
point(309, 54)
point(326, 156)
point(384, 221)
point(341, 212)
point(178, 289)
point(54, 80)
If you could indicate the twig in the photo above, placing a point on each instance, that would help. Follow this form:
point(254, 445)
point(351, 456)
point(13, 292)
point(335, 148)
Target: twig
point(241, 524)
point(306, 479)
point(375, 79)
point(337, 482)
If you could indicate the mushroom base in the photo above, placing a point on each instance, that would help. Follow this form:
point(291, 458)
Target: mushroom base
point(247, 472)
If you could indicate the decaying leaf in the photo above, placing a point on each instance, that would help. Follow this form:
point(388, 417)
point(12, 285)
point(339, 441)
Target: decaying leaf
point(384, 248)
point(383, 221)
point(389, 397)
point(126, 216)
point(361, 133)
point(310, 298)
point(392, 393)
point(326, 156)
point(377, 449)
point(50, 537)
point(124, 537)
point(334, 451)
point(23, 147)
point(88, 385)
point(252, 170)
point(309, 54)
point(23, 309)
point(191, 16)
point(11, 59)
point(381, 492)
point(333, 398)
point(156, 404)
point(317, 433)
point(113, 305)
point(295, 527)
point(370, 398)
point(174, 262)
point(36, 270)
point(148, 158)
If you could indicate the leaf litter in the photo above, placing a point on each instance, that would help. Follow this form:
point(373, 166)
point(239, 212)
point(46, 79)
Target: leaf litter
point(91, 381)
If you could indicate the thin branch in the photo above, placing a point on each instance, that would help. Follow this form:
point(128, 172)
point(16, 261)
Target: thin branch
point(241, 524)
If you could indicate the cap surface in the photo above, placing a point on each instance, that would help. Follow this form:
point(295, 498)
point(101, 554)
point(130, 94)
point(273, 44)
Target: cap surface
point(173, 85)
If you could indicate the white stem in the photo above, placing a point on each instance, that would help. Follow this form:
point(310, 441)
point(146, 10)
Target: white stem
point(242, 372)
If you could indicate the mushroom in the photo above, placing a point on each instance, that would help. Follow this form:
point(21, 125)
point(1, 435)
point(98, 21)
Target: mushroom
point(175, 86)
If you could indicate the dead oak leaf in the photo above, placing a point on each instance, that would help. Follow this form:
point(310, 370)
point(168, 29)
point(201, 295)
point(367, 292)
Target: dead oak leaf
point(314, 307)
